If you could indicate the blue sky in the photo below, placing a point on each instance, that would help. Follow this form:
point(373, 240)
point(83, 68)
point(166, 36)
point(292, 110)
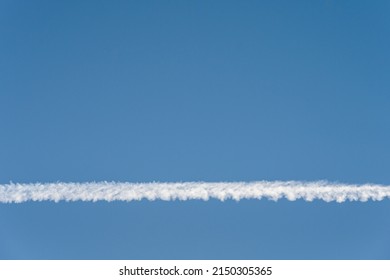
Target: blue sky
point(145, 91)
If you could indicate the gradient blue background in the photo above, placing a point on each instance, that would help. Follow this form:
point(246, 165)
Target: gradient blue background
point(195, 90)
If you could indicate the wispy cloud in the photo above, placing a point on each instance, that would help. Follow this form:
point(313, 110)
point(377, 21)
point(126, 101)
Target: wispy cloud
point(112, 191)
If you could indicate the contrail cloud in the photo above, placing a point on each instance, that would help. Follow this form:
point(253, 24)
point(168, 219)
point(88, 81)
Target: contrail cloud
point(113, 191)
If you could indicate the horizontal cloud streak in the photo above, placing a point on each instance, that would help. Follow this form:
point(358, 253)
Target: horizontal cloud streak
point(112, 191)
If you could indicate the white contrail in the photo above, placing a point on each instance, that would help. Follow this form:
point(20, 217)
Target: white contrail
point(112, 191)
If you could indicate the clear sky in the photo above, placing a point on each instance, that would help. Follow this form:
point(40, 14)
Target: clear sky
point(144, 91)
